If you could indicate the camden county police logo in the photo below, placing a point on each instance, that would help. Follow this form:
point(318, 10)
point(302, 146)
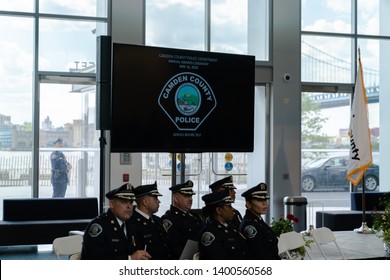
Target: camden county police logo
point(187, 99)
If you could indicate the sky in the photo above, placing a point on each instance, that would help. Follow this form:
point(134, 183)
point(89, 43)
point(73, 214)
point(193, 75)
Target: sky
point(339, 118)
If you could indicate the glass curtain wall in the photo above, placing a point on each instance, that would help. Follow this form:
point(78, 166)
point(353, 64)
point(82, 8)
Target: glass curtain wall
point(330, 42)
point(47, 89)
point(16, 93)
point(218, 26)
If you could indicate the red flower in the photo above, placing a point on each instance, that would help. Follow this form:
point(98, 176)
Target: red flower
point(290, 217)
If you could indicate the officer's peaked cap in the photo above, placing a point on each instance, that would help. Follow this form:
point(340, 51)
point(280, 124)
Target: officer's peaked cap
point(217, 199)
point(185, 188)
point(59, 140)
point(258, 192)
point(147, 190)
point(226, 183)
point(125, 191)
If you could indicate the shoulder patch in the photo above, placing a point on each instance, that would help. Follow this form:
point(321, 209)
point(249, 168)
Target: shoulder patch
point(95, 230)
point(207, 238)
point(167, 224)
point(250, 231)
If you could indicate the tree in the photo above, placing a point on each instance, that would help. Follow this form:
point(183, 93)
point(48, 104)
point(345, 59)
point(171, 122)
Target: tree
point(311, 124)
point(26, 126)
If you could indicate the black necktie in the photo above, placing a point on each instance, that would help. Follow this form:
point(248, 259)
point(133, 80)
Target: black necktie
point(123, 229)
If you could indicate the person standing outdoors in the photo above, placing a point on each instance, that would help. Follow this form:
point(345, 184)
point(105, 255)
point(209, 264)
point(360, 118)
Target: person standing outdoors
point(179, 221)
point(110, 236)
point(60, 168)
point(262, 241)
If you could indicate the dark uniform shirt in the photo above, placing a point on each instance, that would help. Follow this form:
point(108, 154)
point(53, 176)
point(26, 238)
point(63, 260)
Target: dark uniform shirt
point(261, 239)
point(237, 219)
point(59, 167)
point(105, 240)
point(221, 242)
point(180, 227)
point(150, 233)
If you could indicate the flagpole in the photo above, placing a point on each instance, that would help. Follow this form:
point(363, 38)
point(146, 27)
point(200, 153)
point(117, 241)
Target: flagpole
point(360, 154)
point(364, 218)
point(364, 228)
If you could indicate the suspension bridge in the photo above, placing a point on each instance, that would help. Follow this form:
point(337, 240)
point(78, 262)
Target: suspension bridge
point(320, 66)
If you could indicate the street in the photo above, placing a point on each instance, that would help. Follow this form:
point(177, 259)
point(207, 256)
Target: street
point(329, 199)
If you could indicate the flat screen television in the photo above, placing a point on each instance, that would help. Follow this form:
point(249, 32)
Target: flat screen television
point(181, 101)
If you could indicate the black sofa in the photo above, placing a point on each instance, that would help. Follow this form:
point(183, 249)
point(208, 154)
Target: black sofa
point(350, 219)
point(34, 221)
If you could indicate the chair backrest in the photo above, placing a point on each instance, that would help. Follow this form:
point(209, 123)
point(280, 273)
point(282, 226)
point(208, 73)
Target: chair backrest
point(283, 250)
point(76, 256)
point(67, 245)
point(324, 235)
point(290, 241)
point(282, 246)
point(196, 256)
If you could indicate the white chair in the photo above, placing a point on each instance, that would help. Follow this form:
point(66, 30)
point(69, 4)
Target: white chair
point(324, 235)
point(290, 241)
point(196, 256)
point(76, 256)
point(68, 246)
point(282, 248)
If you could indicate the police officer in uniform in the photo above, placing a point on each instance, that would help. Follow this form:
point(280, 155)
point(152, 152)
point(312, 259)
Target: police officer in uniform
point(227, 183)
point(179, 221)
point(150, 234)
point(109, 236)
point(219, 240)
point(261, 239)
point(59, 170)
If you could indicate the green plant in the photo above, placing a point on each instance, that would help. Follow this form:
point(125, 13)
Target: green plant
point(286, 225)
point(281, 226)
point(381, 222)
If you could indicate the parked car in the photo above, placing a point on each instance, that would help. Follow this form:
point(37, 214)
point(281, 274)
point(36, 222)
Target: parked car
point(330, 172)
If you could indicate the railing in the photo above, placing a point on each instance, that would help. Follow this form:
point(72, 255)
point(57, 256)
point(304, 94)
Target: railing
point(16, 168)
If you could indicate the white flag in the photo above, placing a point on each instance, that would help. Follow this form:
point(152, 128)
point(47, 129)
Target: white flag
point(360, 153)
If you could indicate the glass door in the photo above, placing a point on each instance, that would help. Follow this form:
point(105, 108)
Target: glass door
point(326, 144)
point(69, 160)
